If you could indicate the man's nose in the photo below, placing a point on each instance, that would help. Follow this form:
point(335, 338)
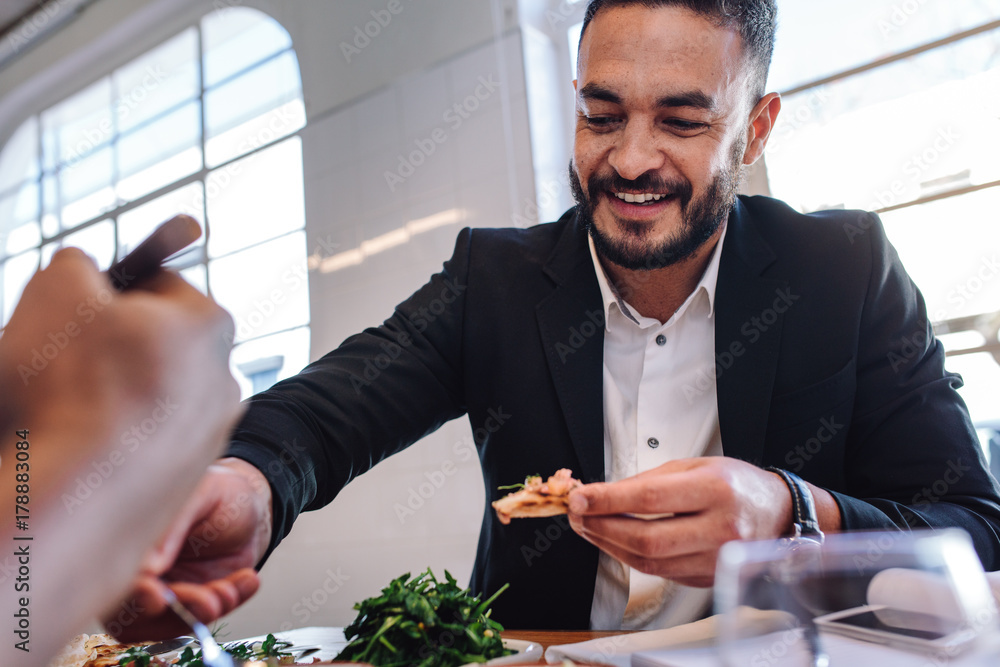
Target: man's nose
point(636, 152)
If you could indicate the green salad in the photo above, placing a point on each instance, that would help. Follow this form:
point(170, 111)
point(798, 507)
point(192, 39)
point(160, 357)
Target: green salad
point(424, 622)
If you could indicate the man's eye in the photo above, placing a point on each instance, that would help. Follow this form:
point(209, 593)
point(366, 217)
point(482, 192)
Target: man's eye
point(686, 126)
point(602, 123)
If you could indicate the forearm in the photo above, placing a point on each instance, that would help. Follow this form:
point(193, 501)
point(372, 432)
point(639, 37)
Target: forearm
point(68, 560)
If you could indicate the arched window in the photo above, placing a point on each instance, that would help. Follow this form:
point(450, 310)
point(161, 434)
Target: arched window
point(207, 124)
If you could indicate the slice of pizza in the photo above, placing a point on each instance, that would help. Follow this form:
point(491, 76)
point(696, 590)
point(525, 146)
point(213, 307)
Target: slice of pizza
point(536, 498)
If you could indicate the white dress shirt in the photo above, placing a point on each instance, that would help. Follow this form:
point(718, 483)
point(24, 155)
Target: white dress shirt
point(660, 404)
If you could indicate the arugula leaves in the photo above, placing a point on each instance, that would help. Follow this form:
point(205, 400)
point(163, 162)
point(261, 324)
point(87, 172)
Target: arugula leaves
point(271, 647)
point(424, 622)
point(519, 485)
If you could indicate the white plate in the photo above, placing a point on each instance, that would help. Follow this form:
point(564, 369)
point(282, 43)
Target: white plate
point(526, 652)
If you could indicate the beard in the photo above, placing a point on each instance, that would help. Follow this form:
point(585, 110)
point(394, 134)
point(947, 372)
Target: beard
point(632, 248)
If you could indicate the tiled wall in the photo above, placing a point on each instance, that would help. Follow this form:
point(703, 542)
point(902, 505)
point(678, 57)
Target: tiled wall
point(478, 176)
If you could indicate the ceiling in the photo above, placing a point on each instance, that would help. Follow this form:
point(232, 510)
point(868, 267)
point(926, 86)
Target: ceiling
point(12, 11)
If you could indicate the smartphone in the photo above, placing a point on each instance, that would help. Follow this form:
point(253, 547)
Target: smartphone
point(899, 627)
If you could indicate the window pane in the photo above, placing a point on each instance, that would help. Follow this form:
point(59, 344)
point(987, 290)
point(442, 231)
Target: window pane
point(894, 134)
point(78, 125)
point(982, 384)
point(253, 109)
point(872, 28)
point(197, 277)
point(265, 288)
point(97, 240)
point(19, 220)
point(19, 159)
point(255, 199)
point(86, 188)
point(21, 238)
point(157, 81)
point(235, 38)
point(16, 273)
point(950, 249)
point(160, 153)
point(256, 132)
point(135, 225)
point(292, 346)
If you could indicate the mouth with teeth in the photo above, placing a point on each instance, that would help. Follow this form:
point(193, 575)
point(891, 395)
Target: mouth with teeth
point(641, 198)
point(639, 205)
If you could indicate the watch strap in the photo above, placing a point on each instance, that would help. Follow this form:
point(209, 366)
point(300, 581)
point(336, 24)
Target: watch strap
point(804, 518)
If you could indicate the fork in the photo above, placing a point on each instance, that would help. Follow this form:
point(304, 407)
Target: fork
point(211, 653)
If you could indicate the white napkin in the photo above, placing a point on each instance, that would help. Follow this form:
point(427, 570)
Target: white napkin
point(617, 650)
point(923, 591)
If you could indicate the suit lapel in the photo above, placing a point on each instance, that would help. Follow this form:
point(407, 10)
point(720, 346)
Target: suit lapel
point(748, 327)
point(571, 321)
point(746, 321)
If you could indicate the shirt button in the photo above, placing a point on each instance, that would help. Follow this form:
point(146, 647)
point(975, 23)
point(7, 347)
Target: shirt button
point(653, 443)
point(661, 340)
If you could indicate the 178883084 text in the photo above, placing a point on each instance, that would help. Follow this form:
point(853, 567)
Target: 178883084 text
point(22, 542)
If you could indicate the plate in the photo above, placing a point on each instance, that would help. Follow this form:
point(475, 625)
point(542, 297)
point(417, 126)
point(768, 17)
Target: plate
point(526, 652)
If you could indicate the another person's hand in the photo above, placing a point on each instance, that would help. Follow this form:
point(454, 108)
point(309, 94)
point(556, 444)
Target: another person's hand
point(207, 556)
point(714, 500)
point(126, 399)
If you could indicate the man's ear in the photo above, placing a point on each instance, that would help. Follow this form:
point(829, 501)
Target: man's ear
point(762, 120)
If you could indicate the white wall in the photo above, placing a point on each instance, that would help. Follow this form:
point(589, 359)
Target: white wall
point(362, 115)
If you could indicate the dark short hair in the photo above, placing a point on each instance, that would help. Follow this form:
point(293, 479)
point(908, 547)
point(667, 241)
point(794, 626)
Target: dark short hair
point(754, 20)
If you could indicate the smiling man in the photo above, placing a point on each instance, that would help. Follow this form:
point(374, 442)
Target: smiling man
point(699, 359)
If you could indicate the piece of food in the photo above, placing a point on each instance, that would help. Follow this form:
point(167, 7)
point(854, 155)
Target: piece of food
point(424, 623)
point(535, 498)
point(103, 651)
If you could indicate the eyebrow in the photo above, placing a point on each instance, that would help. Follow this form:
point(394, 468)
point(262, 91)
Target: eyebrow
point(691, 98)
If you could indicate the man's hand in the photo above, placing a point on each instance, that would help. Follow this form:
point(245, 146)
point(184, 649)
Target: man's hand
point(207, 556)
point(127, 397)
point(714, 500)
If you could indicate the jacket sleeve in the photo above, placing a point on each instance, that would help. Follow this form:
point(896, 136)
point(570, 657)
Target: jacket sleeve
point(377, 393)
point(913, 458)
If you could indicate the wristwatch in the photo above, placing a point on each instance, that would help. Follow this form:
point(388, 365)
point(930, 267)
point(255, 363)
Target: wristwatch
point(804, 518)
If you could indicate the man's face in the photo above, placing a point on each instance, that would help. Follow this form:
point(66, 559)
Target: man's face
point(662, 121)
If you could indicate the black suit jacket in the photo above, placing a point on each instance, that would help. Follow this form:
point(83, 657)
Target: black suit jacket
point(826, 365)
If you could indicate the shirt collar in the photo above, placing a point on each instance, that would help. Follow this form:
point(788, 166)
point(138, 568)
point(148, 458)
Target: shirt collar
point(708, 282)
